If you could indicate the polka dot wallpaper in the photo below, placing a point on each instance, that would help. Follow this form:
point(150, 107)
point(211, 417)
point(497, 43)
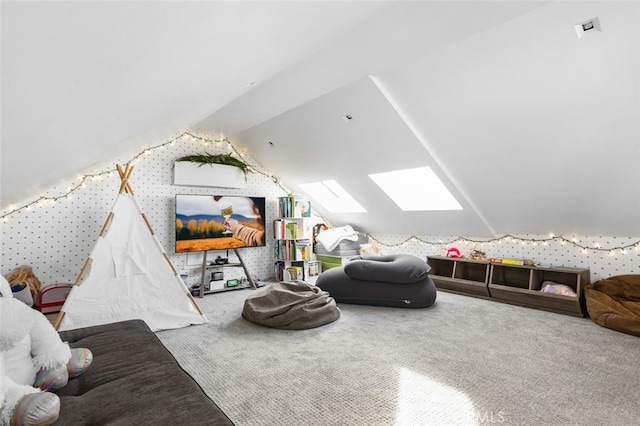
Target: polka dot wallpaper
point(56, 237)
point(603, 256)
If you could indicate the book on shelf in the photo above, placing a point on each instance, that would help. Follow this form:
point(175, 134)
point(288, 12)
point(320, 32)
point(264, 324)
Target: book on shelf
point(302, 208)
point(279, 270)
point(292, 271)
point(314, 268)
point(285, 206)
point(278, 229)
point(286, 229)
point(290, 207)
point(291, 230)
point(291, 250)
point(301, 250)
point(516, 262)
point(295, 272)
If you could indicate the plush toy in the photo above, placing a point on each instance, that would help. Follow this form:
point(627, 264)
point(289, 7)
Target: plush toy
point(33, 361)
point(454, 252)
point(478, 254)
point(23, 276)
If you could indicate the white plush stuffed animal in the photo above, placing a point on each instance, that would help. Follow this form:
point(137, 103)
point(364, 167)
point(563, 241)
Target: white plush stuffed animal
point(33, 360)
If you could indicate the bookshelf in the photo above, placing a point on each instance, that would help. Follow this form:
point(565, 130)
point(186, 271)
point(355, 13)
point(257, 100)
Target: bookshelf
point(293, 235)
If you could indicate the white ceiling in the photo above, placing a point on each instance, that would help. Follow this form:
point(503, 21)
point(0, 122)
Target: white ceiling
point(532, 129)
point(83, 81)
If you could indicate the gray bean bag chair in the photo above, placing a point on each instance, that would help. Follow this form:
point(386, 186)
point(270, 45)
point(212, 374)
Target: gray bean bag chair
point(393, 280)
point(292, 305)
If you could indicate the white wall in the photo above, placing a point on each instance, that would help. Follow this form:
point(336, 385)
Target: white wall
point(56, 238)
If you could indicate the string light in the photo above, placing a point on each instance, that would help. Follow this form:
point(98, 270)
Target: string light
point(515, 239)
point(189, 137)
point(186, 137)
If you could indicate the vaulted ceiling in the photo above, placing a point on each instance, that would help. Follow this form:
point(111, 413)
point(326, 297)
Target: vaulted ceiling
point(533, 129)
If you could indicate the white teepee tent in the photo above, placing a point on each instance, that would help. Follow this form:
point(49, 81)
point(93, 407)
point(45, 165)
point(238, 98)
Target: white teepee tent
point(128, 275)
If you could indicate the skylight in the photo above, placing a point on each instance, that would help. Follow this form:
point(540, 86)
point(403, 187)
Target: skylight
point(416, 190)
point(332, 197)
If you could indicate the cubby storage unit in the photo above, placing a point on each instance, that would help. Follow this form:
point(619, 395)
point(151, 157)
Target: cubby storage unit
point(521, 285)
point(518, 285)
point(465, 276)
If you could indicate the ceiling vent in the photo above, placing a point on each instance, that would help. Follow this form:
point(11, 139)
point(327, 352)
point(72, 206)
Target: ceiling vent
point(589, 27)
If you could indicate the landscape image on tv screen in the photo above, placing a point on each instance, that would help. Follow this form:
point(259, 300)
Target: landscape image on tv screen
point(219, 222)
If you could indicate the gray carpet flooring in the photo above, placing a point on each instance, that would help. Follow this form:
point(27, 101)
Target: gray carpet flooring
point(464, 361)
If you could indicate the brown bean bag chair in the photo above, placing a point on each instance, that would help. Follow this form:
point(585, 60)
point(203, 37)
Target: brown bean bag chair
point(615, 303)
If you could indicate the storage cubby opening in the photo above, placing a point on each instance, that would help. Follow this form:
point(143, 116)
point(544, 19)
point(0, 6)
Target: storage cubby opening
point(510, 276)
point(471, 271)
point(557, 277)
point(441, 268)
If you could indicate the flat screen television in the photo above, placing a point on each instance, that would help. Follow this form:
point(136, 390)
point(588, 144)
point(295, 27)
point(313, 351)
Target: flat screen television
point(219, 222)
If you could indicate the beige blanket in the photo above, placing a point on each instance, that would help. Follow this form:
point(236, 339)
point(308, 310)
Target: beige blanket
point(293, 305)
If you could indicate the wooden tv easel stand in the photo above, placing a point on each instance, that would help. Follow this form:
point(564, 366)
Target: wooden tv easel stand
point(240, 264)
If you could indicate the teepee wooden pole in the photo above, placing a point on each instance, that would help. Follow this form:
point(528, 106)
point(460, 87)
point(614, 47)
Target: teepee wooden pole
point(144, 217)
point(77, 283)
point(105, 227)
point(129, 171)
point(193, 301)
point(125, 174)
point(124, 177)
point(83, 271)
point(58, 320)
point(165, 255)
point(173, 268)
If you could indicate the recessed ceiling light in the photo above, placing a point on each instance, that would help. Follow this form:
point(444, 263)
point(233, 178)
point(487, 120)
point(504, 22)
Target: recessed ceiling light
point(591, 26)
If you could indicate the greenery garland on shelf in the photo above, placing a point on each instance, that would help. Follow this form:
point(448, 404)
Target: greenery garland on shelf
point(226, 159)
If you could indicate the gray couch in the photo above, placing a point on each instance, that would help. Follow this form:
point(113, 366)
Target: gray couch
point(134, 380)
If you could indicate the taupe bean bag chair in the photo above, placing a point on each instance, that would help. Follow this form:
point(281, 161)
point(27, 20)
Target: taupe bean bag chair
point(615, 303)
point(292, 305)
point(393, 280)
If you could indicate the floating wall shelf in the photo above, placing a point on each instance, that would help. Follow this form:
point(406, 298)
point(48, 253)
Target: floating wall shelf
point(187, 173)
